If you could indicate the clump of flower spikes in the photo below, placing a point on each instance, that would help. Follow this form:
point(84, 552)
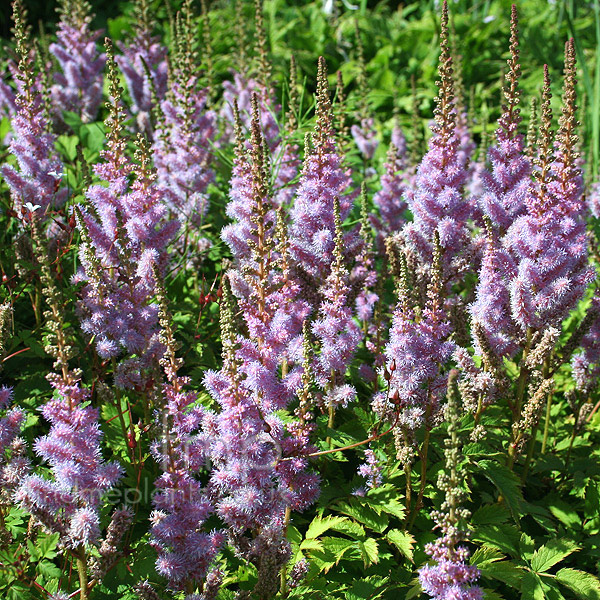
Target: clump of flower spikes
point(124, 233)
point(267, 292)
point(451, 576)
point(78, 86)
point(418, 345)
point(181, 504)
point(253, 480)
point(541, 270)
point(185, 131)
point(337, 334)
point(34, 183)
point(144, 65)
point(438, 204)
point(323, 179)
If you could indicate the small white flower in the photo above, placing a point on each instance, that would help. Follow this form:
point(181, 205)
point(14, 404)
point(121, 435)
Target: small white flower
point(31, 207)
point(489, 18)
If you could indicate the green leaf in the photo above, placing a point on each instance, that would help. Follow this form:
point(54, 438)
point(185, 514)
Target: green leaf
point(369, 551)
point(504, 571)
point(503, 537)
point(320, 525)
point(564, 513)
point(531, 587)
point(403, 541)
point(582, 584)
point(366, 515)
point(507, 484)
point(551, 553)
point(485, 555)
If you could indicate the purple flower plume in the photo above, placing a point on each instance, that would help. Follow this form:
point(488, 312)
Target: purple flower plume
point(144, 65)
point(124, 234)
point(78, 86)
point(34, 181)
point(507, 185)
point(323, 179)
point(438, 204)
point(69, 503)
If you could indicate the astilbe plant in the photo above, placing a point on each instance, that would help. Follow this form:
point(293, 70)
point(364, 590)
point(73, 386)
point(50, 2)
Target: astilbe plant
point(35, 181)
point(69, 502)
point(144, 65)
point(549, 242)
point(124, 234)
point(78, 86)
point(259, 472)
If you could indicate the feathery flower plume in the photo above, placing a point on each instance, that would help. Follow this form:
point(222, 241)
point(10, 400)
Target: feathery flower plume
point(507, 185)
point(438, 204)
point(323, 179)
point(416, 349)
point(253, 485)
point(124, 233)
point(35, 181)
point(181, 504)
point(451, 576)
point(183, 136)
point(337, 333)
point(550, 241)
point(78, 87)
point(144, 65)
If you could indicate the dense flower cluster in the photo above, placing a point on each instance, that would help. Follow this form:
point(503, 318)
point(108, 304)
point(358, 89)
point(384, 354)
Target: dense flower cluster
point(78, 86)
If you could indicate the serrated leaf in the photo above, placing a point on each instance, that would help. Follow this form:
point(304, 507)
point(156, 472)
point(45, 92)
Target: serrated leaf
point(582, 584)
point(507, 484)
point(351, 528)
point(403, 540)
point(491, 514)
point(531, 587)
point(369, 551)
point(311, 545)
point(320, 525)
point(486, 554)
point(504, 571)
point(503, 537)
point(366, 515)
point(551, 553)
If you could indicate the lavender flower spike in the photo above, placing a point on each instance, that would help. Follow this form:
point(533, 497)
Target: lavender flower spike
point(312, 231)
point(507, 186)
point(143, 54)
point(438, 203)
point(34, 182)
point(79, 87)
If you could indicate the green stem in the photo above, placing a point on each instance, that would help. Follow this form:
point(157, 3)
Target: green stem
point(283, 575)
point(419, 503)
point(83, 575)
point(547, 423)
